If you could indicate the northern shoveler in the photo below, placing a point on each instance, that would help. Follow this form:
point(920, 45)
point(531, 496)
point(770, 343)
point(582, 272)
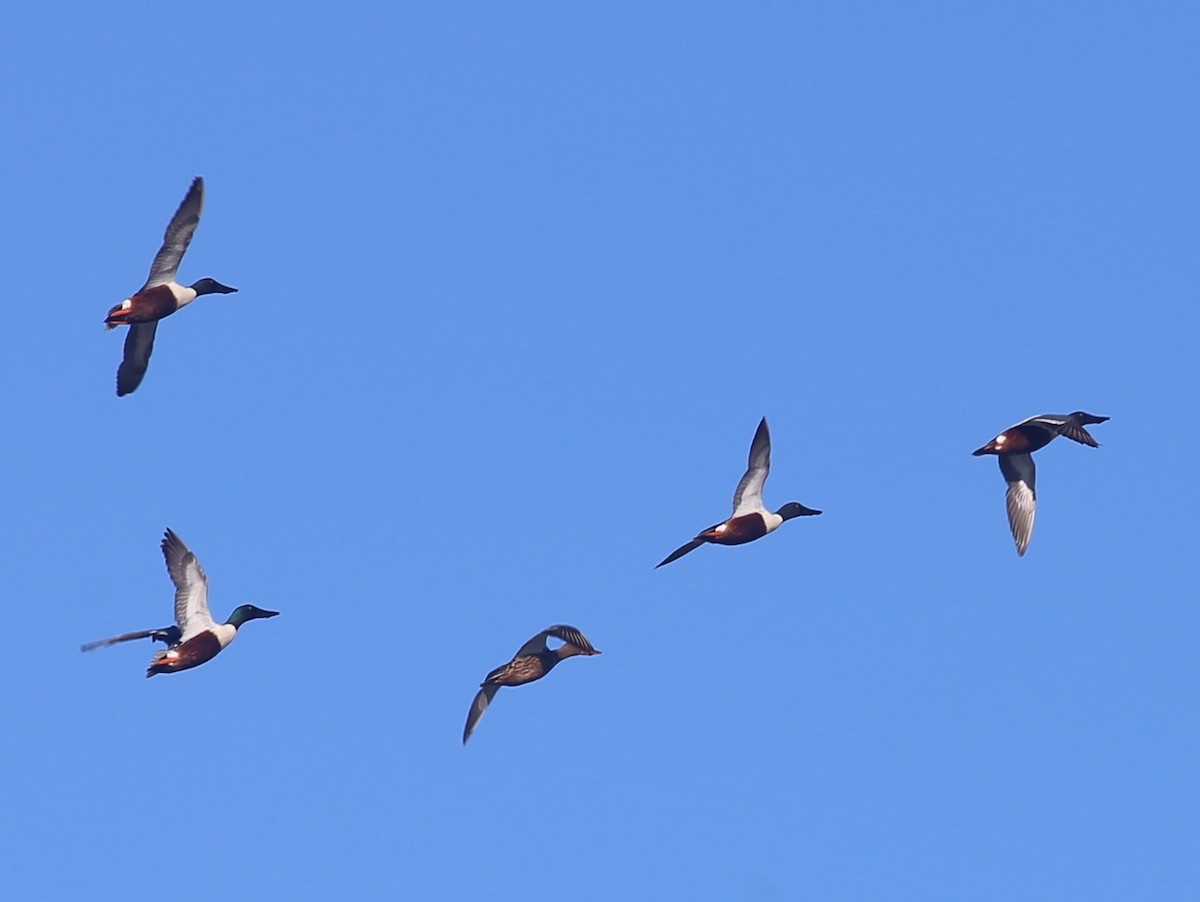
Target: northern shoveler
point(196, 638)
point(751, 520)
point(161, 295)
point(532, 661)
point(1014, 449)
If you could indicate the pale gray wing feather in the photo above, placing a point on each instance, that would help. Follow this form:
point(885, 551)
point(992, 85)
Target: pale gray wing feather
point(191, 587)
point(139, 344)
point(177, 237)
point(1021, 497)
point(483, 698)
point(747, 498)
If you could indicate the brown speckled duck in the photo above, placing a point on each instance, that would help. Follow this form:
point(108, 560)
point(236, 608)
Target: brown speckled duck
point(1014, 449)
point(161, 295)
point(196, 638)
point(532, 661)
point(751, 520)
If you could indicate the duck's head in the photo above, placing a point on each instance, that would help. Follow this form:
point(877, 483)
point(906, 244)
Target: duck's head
point(210, 286)
point(1087, 419)
point(246, 612)
point(796, 509)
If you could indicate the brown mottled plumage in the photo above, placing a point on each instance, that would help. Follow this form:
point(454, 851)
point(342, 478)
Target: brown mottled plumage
point(532, 661)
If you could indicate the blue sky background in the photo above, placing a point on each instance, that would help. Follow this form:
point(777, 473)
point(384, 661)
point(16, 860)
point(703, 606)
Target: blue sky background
point(516, 284)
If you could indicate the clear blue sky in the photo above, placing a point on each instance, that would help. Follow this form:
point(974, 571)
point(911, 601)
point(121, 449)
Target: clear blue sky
point(516, 284)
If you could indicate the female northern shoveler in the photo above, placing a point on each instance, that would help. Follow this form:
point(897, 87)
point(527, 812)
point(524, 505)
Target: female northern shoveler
point(532, 661)
point(196, 638)
point(161, 295)
point(1014, 449)
point(751, 520)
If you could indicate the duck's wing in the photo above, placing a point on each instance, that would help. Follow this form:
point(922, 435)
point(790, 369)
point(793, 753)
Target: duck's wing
point(680, 552)
point(177, 237)
point(168, 635)
point(191, 587)
point(483, 698)
point(535, 645)
point(569, 634)
point(1073, 429)
point(139, 343)
point(1063, 424)
point(747, 498)
point(1021, 498)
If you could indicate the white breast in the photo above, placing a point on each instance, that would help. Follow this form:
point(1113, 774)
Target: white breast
point(773, 521)
point(183, 296)
point(224, 633)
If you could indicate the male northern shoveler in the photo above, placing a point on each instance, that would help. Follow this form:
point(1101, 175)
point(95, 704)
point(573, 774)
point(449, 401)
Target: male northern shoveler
point(532, 661)
point(1014, 449)
point(751, 520)
point(196, 638)
point(161, 295)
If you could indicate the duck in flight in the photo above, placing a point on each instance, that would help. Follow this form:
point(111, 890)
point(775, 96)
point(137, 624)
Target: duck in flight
point(196, 638)
point(1014, 449)
point(161, 295)
point(751, 520)
point(532, 661)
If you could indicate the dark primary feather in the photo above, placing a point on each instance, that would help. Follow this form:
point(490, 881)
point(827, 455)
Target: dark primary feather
point(680, 552)
point(1076, 433)
point(570, 634)
point(139, 343)
point(168, 635)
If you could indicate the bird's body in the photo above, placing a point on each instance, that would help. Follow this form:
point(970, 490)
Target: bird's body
point(161, 295)
point(196, 638)
point(750, 520)
point(1014, 449)
point(532, 661)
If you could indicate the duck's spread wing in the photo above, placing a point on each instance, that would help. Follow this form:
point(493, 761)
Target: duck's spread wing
point(1076, 433)
point(680, 552)
point(177, 237)
point(535, 645)
point(1021, 497)
point(139, 344)
point(747, 498)
point(191, 587)
point(483, 698)
point(1063, 424)
point(572, 635)
point(167, 634)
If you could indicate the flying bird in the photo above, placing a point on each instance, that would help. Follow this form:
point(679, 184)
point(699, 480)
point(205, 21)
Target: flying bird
point(196, 638)
point(1014, 449)
point(161, 295)
point(532, 661)
point(751, 520)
